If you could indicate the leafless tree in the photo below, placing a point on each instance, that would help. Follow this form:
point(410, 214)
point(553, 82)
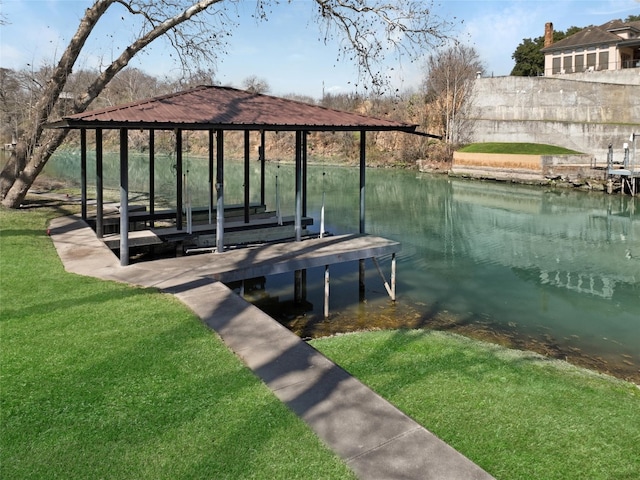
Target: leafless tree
point(255, 84)
point(448, 88)
point(368, 30)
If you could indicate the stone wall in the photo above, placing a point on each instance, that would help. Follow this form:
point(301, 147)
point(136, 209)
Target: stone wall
point(585, 115)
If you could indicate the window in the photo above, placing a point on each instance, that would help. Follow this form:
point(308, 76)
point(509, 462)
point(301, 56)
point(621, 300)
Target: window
point(567, 64)
point(591, 61)
point(603, 61)
point(580, 63)
point(555, 67)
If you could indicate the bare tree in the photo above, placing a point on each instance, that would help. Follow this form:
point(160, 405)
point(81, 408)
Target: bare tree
point(369, 30)
point(448, 85)
point(255, 84)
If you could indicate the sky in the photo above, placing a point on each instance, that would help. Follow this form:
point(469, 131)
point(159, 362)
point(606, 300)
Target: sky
point(286, 50)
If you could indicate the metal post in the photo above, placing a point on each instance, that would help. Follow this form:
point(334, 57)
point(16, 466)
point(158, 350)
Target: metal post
point(363, 139)
point(262, 166)
point(393, 276)
point(326, 291)
point(99, 185)
point(361, 280)
point(246, 176)
point(124, 197)
point(298, 216)
point(83, 173)
point(210, 177)
point(304, 174)
point(178, 179)
point(152, 175)
point(220, 191)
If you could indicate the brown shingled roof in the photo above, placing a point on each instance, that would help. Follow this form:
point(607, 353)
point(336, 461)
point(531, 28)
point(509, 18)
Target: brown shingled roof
point(593, 35)
point(213, 107)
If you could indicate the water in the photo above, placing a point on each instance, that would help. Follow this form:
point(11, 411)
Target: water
point(555, 271)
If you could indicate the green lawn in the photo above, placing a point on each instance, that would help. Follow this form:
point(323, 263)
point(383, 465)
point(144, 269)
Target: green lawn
point(516, 414)
point(103, 380)
point(517, 148)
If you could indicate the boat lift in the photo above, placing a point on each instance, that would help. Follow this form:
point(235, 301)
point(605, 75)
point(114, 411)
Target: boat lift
point(628, 170)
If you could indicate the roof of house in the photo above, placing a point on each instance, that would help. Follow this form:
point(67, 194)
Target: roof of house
point(593, 35)
point(214, 107)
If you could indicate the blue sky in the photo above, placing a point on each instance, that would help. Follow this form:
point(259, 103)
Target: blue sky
point(286, 50)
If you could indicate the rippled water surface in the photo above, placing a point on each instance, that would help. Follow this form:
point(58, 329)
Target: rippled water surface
point(556, 271)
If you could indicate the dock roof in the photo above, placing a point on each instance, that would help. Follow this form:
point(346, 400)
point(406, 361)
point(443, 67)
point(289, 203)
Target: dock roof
point(226, 108)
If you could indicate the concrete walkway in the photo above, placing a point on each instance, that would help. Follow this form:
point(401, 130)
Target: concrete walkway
point(376, 439)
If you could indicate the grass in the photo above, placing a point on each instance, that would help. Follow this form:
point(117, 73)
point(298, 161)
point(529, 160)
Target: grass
point(516, 414)
point(517, 148)
point(104, 380)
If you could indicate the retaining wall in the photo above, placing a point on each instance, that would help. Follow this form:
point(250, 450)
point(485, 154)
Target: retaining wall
point(581, 115)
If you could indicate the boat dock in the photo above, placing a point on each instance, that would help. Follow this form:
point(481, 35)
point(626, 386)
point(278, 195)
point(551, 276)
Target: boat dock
point(375, 439)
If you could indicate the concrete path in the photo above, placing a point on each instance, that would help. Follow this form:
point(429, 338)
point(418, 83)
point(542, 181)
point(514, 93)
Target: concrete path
point(376, 439)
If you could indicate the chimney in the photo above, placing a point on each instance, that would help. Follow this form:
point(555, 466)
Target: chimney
point(548, 34)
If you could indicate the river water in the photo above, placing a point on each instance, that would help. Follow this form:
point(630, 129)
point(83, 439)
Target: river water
point(551, 270)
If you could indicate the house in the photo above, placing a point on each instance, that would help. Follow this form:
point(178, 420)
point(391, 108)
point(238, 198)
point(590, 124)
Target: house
point(612, 46)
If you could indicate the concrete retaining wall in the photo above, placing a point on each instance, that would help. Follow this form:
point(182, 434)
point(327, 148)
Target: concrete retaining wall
point(581, 115)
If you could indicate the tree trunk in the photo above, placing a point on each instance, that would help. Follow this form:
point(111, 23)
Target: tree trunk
point(24, 180)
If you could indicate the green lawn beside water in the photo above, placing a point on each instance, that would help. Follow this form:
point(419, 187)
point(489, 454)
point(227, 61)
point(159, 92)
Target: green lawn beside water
point(516, 414)
point(517, 149)
point(104, 380)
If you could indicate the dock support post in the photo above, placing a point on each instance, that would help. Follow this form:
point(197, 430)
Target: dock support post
point(178, 179)
point(152, 176)
point(83, 173)
point(391, 290)
point(220, 191)
point(326, 291)
point(210, 177)
point(262, 157)
point(246, 175)
point(298, 173)
point(99, 185)
point(361, 280)
point(124, 197)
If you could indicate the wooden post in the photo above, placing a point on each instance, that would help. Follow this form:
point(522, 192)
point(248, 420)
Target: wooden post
point(178, 179)
point(83, 173)
point(99, 185)
point(220, 191)
point(124, 197)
